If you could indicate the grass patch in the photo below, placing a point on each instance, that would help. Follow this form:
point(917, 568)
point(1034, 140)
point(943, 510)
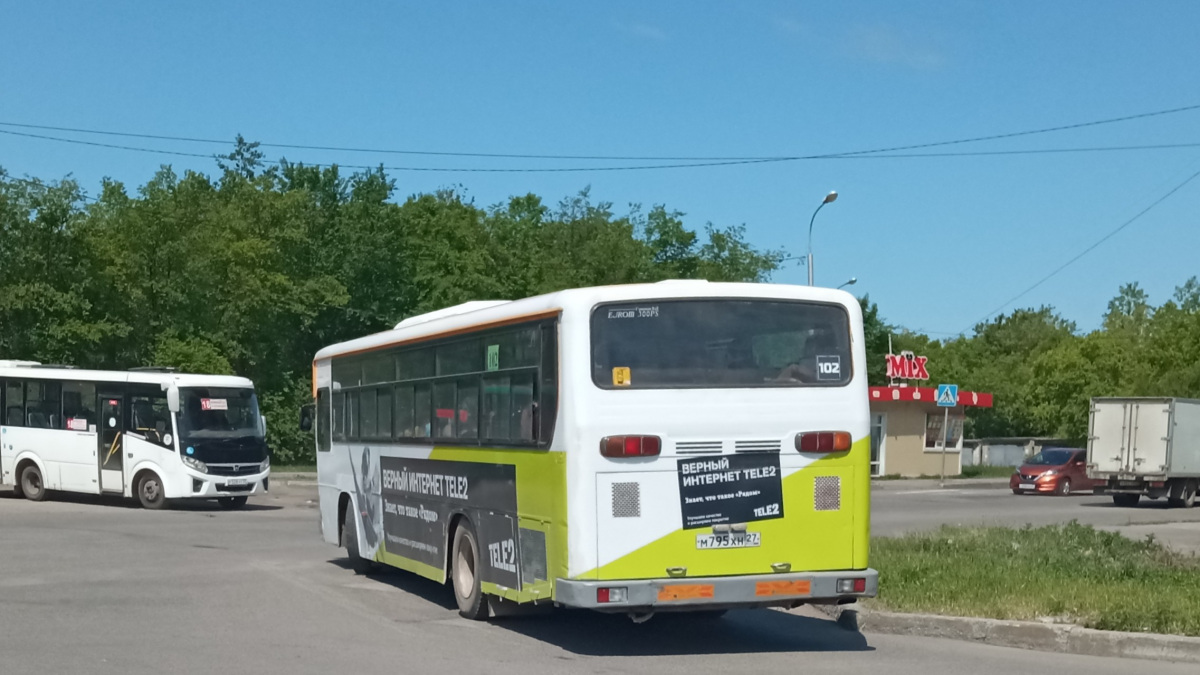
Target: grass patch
point(986, 472)
point(1071, 573)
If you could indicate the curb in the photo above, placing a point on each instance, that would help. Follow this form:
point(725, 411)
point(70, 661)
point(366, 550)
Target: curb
point(1046, 637)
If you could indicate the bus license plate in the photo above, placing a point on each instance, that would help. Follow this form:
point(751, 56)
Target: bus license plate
point(1027, 486)
point(731, 540)
point(236, 481)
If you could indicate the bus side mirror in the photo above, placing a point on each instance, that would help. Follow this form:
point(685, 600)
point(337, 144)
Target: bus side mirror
point(306, 420)
point(263, 420)
point(173, 398)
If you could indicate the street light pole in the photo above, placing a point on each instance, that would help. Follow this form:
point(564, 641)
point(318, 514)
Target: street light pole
point(850, 282)
point(829, 198)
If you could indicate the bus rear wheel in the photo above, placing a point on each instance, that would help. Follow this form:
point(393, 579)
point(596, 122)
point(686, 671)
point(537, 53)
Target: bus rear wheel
point(31, 484)
point(231, 503)
point(465, 573)
point(150, 492)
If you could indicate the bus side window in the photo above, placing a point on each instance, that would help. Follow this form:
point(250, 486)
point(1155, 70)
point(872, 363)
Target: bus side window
point(79, 405)
point(522, 407)
point(43, 404)
point(352, 410)
point(423, 411)
point(547, 411)
point(323, 419)
point(14, 402)
point(339, 416)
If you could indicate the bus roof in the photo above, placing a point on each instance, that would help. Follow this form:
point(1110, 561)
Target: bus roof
point(37, 371)
point(480, 314)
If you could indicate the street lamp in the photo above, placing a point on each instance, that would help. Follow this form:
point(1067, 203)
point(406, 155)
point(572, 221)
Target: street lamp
point(831, 197)
point(851, 282)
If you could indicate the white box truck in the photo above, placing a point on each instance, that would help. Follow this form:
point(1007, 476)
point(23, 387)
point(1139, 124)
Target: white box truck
point(1145, 446)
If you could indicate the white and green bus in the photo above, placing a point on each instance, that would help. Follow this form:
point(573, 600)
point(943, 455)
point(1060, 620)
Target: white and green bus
point(659, 447)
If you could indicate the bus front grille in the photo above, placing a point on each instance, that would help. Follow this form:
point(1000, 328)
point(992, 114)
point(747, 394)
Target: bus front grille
point(233, 469)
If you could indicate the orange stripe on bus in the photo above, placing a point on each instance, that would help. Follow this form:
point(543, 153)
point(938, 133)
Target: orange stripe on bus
point(685, 592)
point(769, 588)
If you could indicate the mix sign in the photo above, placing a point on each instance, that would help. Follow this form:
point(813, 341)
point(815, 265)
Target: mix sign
point(907, 366)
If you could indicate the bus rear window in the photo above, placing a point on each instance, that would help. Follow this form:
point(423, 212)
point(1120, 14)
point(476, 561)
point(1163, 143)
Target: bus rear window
point(716, 343)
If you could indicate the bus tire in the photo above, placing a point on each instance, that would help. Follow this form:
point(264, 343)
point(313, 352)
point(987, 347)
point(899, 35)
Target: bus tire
point(231, 503)
point(464, 573)
point(150, 491)
point(32, 485)
point(359, 564)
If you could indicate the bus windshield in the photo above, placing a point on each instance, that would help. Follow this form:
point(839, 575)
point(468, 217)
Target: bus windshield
point(217, 413)
point(714, 343)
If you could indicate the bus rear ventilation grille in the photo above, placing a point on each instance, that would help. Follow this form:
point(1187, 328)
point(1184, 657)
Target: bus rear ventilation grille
point(827, 493)
point(757, 446)
point(698, 447)
point(626, 500)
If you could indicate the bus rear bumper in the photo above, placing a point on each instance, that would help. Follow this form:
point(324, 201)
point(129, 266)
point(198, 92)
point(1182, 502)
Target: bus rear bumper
point(752, 590)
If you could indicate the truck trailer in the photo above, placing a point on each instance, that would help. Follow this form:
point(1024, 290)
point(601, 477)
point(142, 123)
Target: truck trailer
point(1145, 446)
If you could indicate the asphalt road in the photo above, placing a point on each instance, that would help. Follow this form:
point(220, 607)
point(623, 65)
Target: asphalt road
point(905, 506)
point(98, 586)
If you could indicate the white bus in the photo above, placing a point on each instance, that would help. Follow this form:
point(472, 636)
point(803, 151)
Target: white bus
point(674, 446)
point(152, 434)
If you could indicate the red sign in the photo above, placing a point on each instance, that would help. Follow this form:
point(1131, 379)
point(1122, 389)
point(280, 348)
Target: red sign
point(905, 366)
point(214, 404)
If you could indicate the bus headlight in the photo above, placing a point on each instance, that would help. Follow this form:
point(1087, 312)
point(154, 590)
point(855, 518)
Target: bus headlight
point(195, 464)
point(266, 464)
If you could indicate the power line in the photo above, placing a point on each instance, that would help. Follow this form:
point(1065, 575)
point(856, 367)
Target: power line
point(440, 153)
point(646, 167)
point(1015, 134)
point(1089, 249)
point(1037, 151)
point(407, 168)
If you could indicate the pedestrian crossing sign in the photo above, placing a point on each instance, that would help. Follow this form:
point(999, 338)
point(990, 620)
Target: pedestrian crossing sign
point(947, 395)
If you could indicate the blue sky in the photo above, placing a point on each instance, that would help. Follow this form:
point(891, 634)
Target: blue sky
point(938, 242)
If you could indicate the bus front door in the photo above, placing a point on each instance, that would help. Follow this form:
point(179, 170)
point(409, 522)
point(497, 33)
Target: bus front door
point(112, 476)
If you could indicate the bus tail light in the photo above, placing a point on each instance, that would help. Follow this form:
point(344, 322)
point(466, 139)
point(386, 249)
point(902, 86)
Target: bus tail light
point(606, 596)
point(823, 441)
point(852, 585)
point(630, 446)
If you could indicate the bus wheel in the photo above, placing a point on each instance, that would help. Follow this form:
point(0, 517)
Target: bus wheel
point(465, 573)
point(31, 484)
point(231, 503)
point(150, 491)
point(359, 564)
